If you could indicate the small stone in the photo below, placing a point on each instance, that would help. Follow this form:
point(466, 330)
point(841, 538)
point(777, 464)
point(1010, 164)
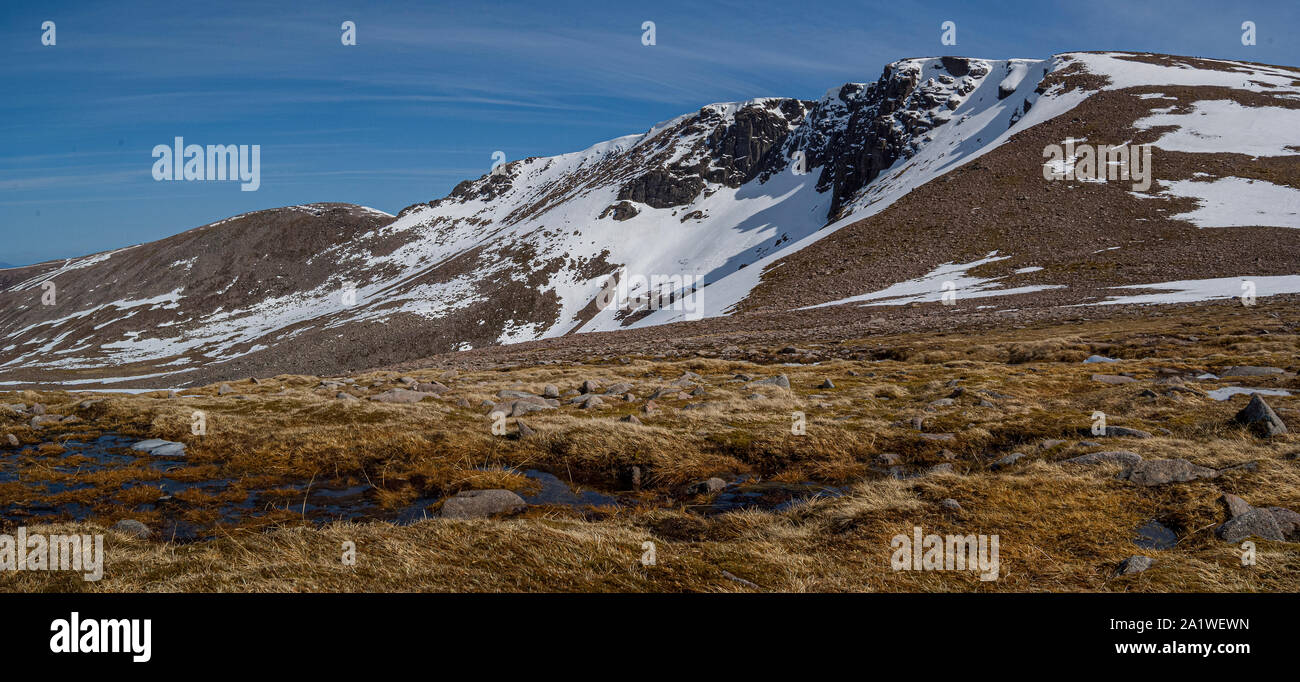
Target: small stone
point(950, 504)
point(525, 431)
point(132, 528)
point(481, 504)
point(1113, 379)
point(12, 440)
point(37, 409)
point(1148, 393)
point(551, 391)
point(649, 407)
point(1134, 564)
point(590, 386)
point(1094, 359)
point(225, 389)
point(826, 384)
point(1007, 461)
point(1234, 505)
point(887, 459)
point(345, 396)
point(631, 419)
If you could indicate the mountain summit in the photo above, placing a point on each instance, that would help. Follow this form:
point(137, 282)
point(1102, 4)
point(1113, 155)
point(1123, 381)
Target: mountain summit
point(937, 183)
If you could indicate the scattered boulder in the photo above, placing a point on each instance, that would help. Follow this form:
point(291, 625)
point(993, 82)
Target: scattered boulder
point(341, 395)
point(432, 387)
point(649, 407)
point(409, 381)
point(481, 504)
point(780, 381)
point(616, 389)
point(1272, 523)
point(1094, 359)
point(132, 528)
point(589, 401)
point(590, 386)
point(1134, 564)
point(1261, 418)
point(12, 440)
point(826, 384)
point(631, 418)
point(41, 420)
point(225, 389)
point(37, 409)
point(399, 395)
point(525, 431)
point(950, 504)
point(1113, 379)
point(551, 391)
point(1161, 471)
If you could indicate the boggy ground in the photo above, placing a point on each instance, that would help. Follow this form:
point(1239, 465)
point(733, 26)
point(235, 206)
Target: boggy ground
point(875, 446)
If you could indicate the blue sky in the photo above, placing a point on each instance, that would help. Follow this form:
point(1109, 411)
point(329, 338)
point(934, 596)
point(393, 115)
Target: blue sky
point(433, 88)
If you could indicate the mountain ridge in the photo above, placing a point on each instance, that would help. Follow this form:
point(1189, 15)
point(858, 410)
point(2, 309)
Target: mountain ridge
point(522, 252)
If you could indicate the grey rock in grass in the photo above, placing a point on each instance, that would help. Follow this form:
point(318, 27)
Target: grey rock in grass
point(1259, 416)
point(132, 528)
point(43, 419)
point(780, 381)
point(826, 384)
point(225, 389)
point(1113, 379)
point(950, 505)
point(551, 391)
point(399, 395)
point(1248, 371)
point(1134, 564)
point(1259, 523)
point(1234, 505)
point(12, 440)
point(1162, 471)
point(1007, 461)
point(481, 504)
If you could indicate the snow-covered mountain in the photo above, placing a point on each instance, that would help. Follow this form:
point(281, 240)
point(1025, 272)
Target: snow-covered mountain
point(876, 194)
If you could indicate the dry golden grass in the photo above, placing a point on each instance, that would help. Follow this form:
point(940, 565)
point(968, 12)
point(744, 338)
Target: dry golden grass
point(1060, 528)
